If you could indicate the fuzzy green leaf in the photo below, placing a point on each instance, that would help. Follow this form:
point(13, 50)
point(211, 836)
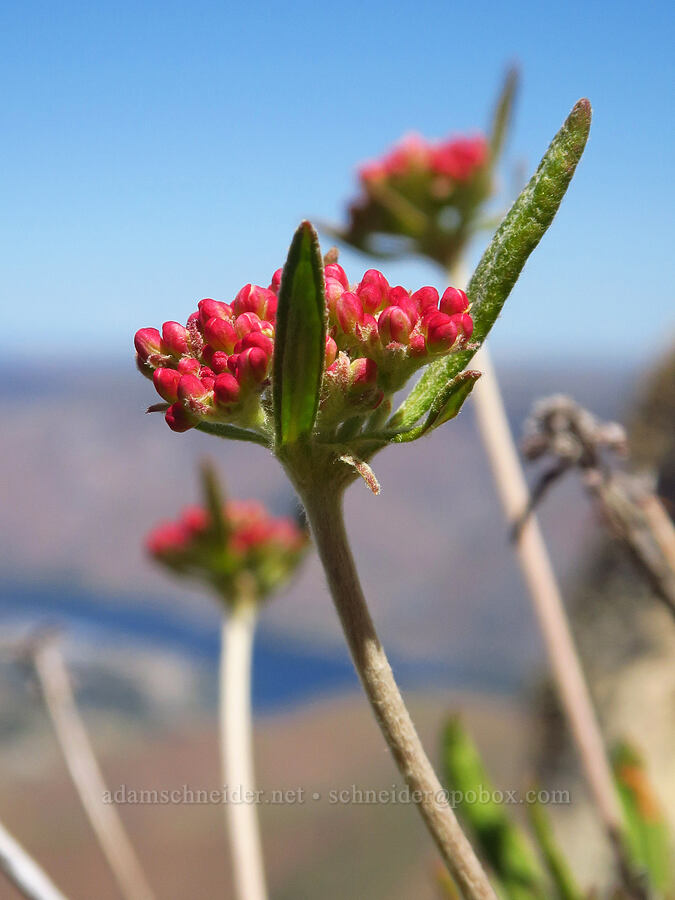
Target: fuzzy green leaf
point(299, 347)
point(232, 432)
point(556, 864)
point(446, 406)
point(503, 115)
point(503, 261)
point(501, 842)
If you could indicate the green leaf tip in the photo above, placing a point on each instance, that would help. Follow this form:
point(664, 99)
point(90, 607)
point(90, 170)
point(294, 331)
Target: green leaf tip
point(503, 114)
point(445, 407)
point(299, 347)
point(500, 266)
point(214, 500)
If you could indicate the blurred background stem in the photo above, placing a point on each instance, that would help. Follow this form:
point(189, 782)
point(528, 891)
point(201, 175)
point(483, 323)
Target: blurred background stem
point(236, 747)
point(23, 872)
point(85, 772)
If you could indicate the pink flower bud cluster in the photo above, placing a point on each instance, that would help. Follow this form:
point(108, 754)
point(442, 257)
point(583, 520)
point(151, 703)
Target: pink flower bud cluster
point(264, 547)
point(456, 159)
point(216, 366)
point(378, 334)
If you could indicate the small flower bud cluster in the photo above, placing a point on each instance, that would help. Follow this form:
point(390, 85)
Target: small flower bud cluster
point(265, 548)
point(455, 159)
point(217, 366)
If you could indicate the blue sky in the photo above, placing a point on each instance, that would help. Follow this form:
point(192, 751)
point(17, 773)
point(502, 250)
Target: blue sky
point(155, 153)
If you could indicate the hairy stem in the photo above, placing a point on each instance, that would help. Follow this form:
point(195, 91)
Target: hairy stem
point(85, 772)
point(323, 504)
point(23, 872)
point(237, 750)
point(550, 611)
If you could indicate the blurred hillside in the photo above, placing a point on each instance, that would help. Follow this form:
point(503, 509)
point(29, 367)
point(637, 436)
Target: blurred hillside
point(85, 474)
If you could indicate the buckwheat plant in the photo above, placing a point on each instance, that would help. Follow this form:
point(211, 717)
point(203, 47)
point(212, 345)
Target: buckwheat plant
point(308, 367)
point(238, 551)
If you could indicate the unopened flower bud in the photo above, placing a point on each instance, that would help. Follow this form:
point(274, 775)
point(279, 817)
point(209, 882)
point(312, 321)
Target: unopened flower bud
point(193, 392)
point(213, 309)
point(331, 351)
point(441, 332)
point(254, 299)
point(147, 342)
point(454, 301)
point(220, 334)
point(276, 281)
point(178, 418)
point(426, 298)
point(373, 291)
point(174, 338)
point(335, 271)
point(349, 312)
point(252, 366)
point(166, 383)
point(188, 365)
point(247, 322)
point(255, 339)
point(394, 326)
point(226, 390)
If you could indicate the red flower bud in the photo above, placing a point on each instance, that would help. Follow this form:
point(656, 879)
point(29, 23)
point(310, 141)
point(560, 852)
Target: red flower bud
point(226, 390)
point(194, 520)
point(219, 361)
point(426, 298)
point(147, 342)
point(276, 281)
point(247, 322)
point(394, 325)
point(441, 331)
point(373, 291)
point(255, 339)
point(334, 290)
point(454, 301)
point(363, 372)
point(252, 366)
point(220, 334)
point(331, 351)
point(213, 309)
point(464, 324)
point(335, 271)
point(189, 366)
point(166, 383)
point(349, 312)
point(254, 299)
point(178, 418)
point(167, 538)
point(174, 338)
point(193, 392)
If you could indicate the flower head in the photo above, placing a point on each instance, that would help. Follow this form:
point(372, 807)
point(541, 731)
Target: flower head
point(239, 540)
point(217, 368)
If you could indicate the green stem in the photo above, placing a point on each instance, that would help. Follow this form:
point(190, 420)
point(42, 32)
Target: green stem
point(323, 503)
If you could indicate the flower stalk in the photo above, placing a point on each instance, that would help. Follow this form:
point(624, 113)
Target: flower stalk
point(23, 872)
point(237, 750)
point(323, 504)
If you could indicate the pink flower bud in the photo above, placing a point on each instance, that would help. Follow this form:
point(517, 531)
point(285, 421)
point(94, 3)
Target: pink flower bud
point(441, 331)
point(178, 418)
point(454, 301)
point(276, 281)
point(363, 372)
point(331, 351)
point(166, 383)
point(219, 361)
point(349, 312)
point(426, 298)
point(193, 392)
point(226, 390)
point(194, 520)
point(335, 271)
point(334, 290)
point(147, 342)
point(255, 339)
point(253, 299)
point(464, 324)
point(189, 366)
point(252, 366)
point(459, 158)
point(394, 326)
point(373, 291)
point(247, 322)
point(220, 334)
point(418, 345)
point(174, 338)
point(213, 309)
point(168, 537)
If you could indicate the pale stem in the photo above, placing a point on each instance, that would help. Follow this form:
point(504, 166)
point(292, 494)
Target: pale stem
point(23, 872)
point(85, 772)
point(547, 601)
point(236, 748)
point(324, 510)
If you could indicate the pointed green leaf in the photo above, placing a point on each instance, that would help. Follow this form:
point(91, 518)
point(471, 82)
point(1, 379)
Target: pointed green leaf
point(556, 864)
point(300, 343)
point(502, 844)
point(503, 261)
point(501, 121)
point(647, 830)
point(232, 432)
point(446, 406)
point(214, 501)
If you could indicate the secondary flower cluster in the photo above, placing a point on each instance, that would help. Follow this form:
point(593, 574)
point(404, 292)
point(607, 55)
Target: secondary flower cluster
point(217, 366)
point(453, 160)
point(253, 542)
